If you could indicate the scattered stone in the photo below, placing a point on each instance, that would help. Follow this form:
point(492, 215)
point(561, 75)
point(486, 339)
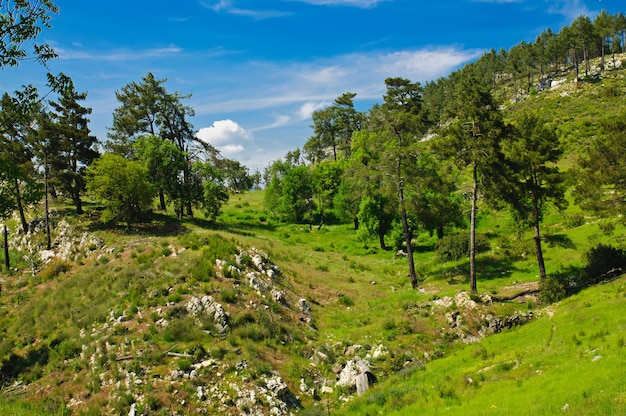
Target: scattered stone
point(209, 306)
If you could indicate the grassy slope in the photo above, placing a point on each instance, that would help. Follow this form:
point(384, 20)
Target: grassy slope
point(570, 358)
point(359, 294)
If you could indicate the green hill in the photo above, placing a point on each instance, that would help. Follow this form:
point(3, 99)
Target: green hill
point(254, 316)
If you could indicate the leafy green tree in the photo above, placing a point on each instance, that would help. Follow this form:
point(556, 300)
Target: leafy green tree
point(401, 120)
point(327, 178)
point(147, 108)
point(601, 174)
point(604, 28)
point(71, 146)
point(297, 194)
point(333, 127)
point(347, 201)
point(19, 185)
point(472, 140)
point(533, 179)
point(165, 163)
point(21, 23)
point(237, 177)
point(122, 185)
point(214, 192)
point(377, 213)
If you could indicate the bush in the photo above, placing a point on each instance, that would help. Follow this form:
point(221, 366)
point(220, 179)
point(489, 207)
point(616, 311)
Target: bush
point(456, 246)
point(53, 269)
point(552, 290)
point(603, 262)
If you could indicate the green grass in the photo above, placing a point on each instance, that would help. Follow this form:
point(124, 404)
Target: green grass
point(359, 294)
point(568, 359)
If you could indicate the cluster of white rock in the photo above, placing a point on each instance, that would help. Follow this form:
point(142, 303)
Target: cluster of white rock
point(209, 306)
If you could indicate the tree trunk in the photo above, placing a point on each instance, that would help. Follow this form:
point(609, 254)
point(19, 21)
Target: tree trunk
point(7, 262)
point(162, 205)
point(47, 209)
point(408, 236)
point(539, 251)
point(381, 240)
point(20, 206)
point(472, 247)
point(78, 203)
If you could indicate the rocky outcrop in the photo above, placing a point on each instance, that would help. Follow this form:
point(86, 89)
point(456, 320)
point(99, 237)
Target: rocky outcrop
point(356, 375)
point(209, 306)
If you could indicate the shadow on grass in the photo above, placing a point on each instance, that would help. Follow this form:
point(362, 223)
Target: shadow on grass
point(487, 268)
point(559, 240)
point(157, 225)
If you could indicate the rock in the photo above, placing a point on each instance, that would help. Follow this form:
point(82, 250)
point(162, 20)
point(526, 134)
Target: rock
point(327, 390)
point(280, 390)
point(46, 255)
point(303, 387)
point(362, 384)
point(350, 372)
point(380, 351)
point(305, 309)
point(279, 296)
point(258, 262)
point(209, 306)
point(353, 350)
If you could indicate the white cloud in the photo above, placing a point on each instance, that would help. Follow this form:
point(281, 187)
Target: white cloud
point(281, 120)
point(227, 6)
point(117, 55)
point(297, 87)
point(365, 4)
point(571, 9)
point(424, 64)
point(306, 110)
point(223, 132)
point(231, 150)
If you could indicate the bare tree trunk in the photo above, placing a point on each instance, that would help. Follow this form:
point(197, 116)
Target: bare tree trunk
point(47, 213)
point(381, 240)
point(162, 205)
point(7, 262)
point(20, 206)
point(408, 236)
point(472, 247)
point(539, 251)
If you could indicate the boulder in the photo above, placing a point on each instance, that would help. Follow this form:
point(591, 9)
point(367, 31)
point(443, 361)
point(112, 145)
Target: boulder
point(356, 372)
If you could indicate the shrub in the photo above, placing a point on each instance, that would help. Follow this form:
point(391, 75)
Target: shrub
point(54, 268)
point(456, 246)
point(603, 262)
point(552, 290)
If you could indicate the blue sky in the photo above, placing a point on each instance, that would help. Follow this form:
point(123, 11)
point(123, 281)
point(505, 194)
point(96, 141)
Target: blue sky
point(257, 69)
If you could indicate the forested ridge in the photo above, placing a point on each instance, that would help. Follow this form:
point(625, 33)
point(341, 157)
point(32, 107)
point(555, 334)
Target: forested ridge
point(146, 273)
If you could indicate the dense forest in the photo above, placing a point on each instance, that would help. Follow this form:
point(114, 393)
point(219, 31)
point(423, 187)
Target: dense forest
point(425, 163)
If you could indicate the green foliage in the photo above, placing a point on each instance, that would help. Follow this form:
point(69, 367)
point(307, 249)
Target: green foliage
point(456, 246)
point(552, 290)
point(123, 187)
point(603, 262)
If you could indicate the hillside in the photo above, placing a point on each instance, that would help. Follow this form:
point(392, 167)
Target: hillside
point(254, 316)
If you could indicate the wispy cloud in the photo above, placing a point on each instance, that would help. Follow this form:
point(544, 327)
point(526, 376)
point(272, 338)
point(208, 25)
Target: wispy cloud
point(117, 55)
point(571, 9)
point(364, 4)
point(228, 6)
point(306, 85)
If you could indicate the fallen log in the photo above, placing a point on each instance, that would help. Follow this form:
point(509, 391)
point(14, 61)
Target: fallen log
point(514, 296)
